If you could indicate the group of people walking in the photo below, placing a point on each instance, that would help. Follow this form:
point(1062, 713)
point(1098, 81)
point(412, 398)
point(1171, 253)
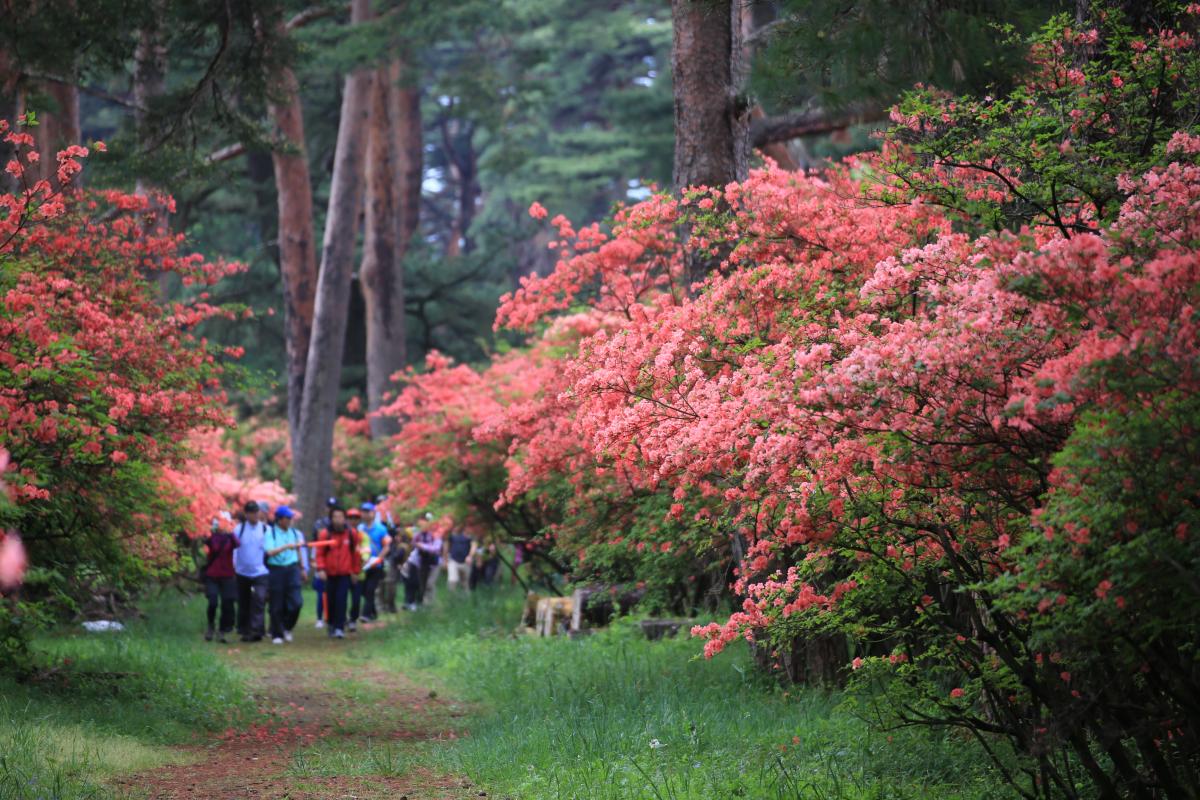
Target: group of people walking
point(357, 559)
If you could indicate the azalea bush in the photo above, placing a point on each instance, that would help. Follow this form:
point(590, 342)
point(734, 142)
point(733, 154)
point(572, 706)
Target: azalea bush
point(934, 410)
point(100, 384)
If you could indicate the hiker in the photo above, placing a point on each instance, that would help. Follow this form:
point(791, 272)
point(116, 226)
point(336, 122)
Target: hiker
point(220, 583)
point(286, 574)
point(458, 552)
point(485, 565)
point(318, 584)
point(338, 561)
point(411, 572)
point(397, 557)
point(430, 547)
point(354, 520)
point(380, 543)
point(249, 564)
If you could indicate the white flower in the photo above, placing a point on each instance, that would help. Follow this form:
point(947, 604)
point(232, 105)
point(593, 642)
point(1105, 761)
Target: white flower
point(656, 744)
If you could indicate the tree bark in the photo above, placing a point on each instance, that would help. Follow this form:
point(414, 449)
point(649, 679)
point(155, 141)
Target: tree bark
point(323, 371)
point(149, 82)
point(297, 239)
point(711, 122)
point(58, 126)
point(385, 240)
point(712, 142)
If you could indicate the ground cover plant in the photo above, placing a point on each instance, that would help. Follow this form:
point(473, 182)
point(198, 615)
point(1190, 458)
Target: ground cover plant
point(615, 716)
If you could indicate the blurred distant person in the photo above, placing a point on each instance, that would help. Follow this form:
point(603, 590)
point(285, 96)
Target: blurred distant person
point(249, 564)
point(458, 552)
point(430, 548)
point(318, 584)
point(338, 562)
point(484, 565)
point(220, 581)
point(394, 577)
point(413, 586)
point(285, 574)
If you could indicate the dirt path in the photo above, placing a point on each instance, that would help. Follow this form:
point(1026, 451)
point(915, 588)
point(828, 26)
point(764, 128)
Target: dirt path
point(334, 725)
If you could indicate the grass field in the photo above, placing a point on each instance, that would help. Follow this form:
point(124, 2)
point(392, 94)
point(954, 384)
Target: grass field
point(614, 716)
point(607, 717)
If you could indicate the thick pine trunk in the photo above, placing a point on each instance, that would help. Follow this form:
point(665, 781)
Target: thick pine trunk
point(297, 240)
point(712, 124)
point(383, 276)
point(323, 372)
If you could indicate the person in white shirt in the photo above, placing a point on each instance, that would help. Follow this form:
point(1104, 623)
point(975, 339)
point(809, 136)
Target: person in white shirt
point(249, 562)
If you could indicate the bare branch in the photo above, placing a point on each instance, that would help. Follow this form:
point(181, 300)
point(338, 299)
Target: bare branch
point(809, 123)
point(314, 13)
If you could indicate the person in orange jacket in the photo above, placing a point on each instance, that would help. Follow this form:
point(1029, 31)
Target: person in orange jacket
point(338, 563)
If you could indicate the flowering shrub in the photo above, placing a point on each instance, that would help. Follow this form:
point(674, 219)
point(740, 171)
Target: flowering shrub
point(100, 385)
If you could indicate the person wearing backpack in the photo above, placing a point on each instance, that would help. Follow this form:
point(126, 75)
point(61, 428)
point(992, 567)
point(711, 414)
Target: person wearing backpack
point(338, 562)
point(285, 574)
point(430, 547)
point(249, 562)
point(220, 583)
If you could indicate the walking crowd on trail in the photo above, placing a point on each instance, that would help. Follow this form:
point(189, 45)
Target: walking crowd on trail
point(258, 561)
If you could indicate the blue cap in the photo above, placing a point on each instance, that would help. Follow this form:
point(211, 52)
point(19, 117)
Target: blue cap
point(283, 512)
point(367, 507)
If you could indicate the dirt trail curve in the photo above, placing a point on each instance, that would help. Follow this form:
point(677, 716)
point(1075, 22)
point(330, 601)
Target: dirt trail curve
point(334, 726)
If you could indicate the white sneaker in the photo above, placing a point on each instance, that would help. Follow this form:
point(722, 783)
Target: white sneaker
point(287, 636)
point(277, 640)
point(320, 624)
point(337, 634)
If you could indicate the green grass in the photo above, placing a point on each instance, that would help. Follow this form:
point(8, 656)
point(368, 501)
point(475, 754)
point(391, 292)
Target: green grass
point(112, 703)
point(613, 716)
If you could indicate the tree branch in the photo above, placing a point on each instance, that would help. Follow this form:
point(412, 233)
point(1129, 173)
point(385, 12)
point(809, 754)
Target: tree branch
point(808, 123)
point(314, 13)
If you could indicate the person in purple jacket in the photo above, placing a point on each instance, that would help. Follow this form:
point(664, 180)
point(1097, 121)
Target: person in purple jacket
point(220, 584)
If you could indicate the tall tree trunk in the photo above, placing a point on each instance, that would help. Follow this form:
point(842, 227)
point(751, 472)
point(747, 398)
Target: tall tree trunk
point(712, 123)
point(297, 240)
point(394, 204)
point(58, 124)
point(149, 82)
point(10, 109)
point(323, 372)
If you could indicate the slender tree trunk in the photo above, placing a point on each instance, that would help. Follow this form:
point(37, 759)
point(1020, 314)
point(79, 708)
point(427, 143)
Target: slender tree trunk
point(10, 109)
point(297, 240)
point(712, 123)
point(323, 373)
point(149, 82)
point(58, 125)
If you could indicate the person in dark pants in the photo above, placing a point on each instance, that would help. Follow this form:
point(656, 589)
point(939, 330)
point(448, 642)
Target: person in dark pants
point(338, 561)
point(318, 584)
point(380, 543)
point(249, 564)
point(220, 583)
point(354, 520)
point(286, 574)
point(411, 573)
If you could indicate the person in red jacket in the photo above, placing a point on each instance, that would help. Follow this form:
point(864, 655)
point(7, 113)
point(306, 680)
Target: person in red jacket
point(338, 561)
point(220, 584)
